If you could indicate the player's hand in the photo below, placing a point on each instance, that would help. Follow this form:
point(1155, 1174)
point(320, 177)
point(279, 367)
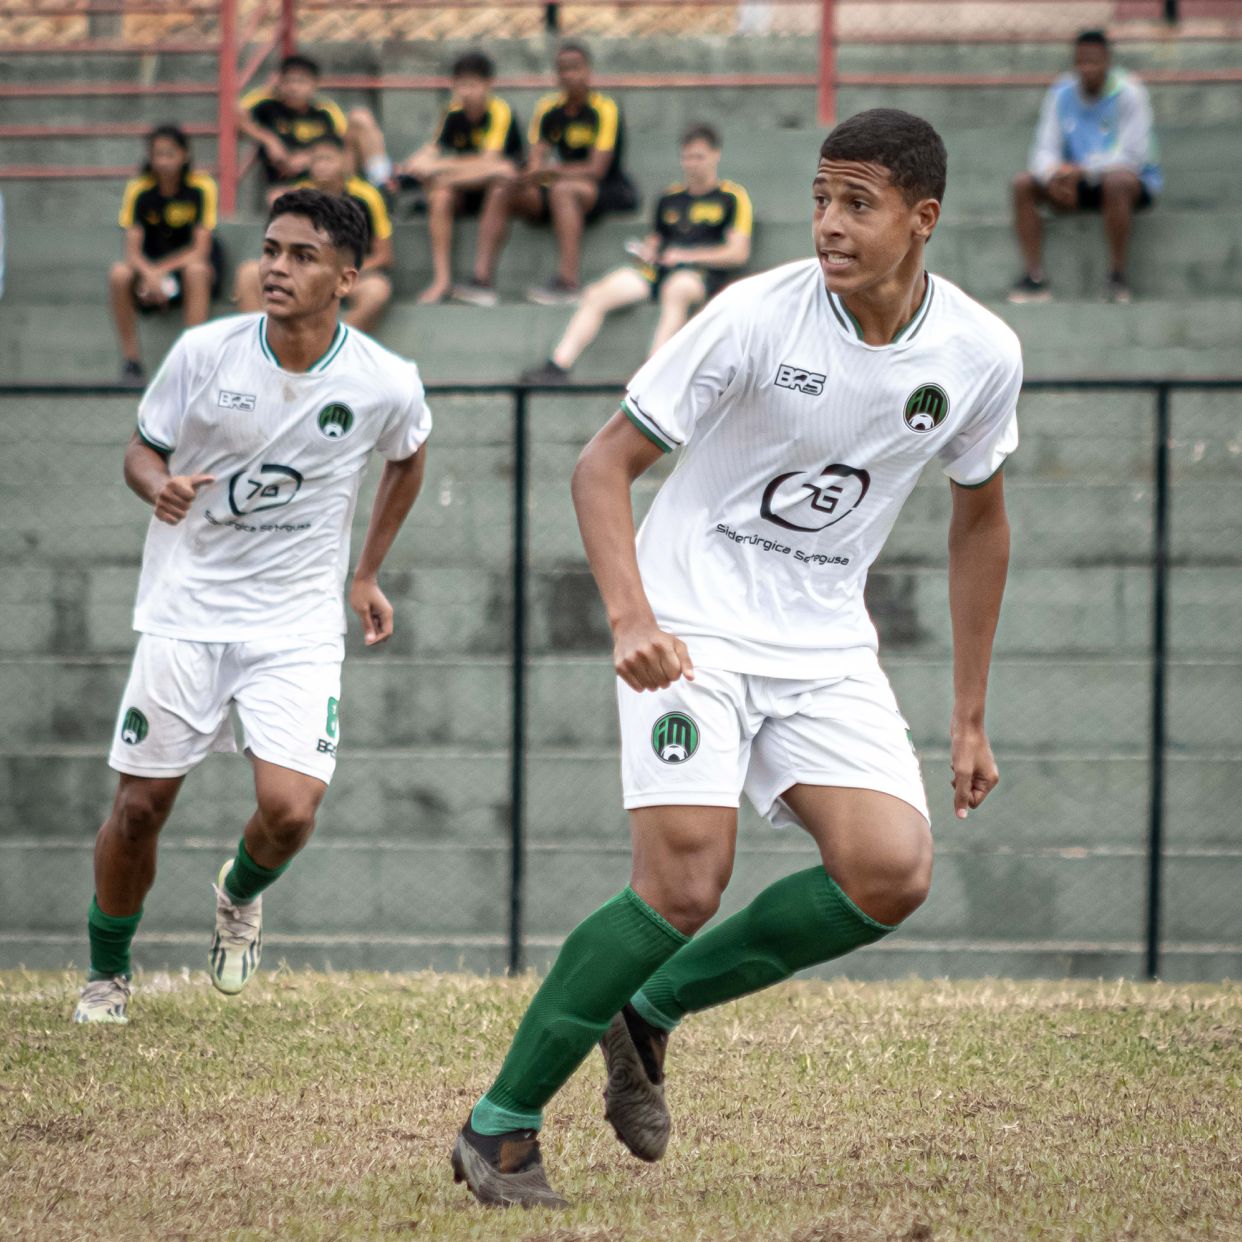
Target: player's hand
point(673, 256)
point(974, 769)
point(1063, 188)
point(176, 495)
point(373, 609)
point(648, 658)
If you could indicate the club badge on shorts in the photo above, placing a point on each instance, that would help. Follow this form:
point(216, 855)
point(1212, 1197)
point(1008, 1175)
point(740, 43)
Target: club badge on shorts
point(675, 737)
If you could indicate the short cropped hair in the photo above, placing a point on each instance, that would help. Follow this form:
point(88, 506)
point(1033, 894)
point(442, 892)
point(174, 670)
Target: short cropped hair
point(340, 217)
point(329, 139)
point(298, 61)
point(1092, 37)
point(905, 144)
point(576, 46)
point(701, 133)
point(474, 64)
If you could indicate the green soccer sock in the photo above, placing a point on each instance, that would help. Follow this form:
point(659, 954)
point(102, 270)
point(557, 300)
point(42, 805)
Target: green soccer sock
point(110, 938)
point(799, 921)
point(601, 963)
point(246, 879)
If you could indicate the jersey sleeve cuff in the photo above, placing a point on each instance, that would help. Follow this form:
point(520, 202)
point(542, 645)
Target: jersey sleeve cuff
point(647, 425)
point(152, 443)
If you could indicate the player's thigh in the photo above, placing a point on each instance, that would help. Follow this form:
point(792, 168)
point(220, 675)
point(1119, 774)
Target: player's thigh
point(288, 697)
point(683, 288)
point(174, 709)
point(622, 287)
point(287, 798)
point(573, 196)
point(683, 858)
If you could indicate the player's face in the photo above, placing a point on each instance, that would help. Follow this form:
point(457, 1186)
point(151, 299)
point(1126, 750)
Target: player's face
point(573, 73)
point(296, 88)
point(301, 272)
point(167, 158)
point(699, 161)
point(472, 92)
point(1091, 66)
point(862, 225)
point(327, 166)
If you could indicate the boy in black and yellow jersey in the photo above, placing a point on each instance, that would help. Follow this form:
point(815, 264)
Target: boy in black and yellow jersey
point(699, 240)
point(171, 256)
point(574, 174)
point(288, 118)
point(372, 290)
point(466, 170)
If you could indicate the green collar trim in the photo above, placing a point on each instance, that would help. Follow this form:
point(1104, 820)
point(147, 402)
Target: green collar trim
point(338, 340)
point(263, 345)
point(908, 330)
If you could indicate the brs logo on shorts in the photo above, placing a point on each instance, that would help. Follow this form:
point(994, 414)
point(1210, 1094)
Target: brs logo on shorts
point(800, 380)
point(243, 401)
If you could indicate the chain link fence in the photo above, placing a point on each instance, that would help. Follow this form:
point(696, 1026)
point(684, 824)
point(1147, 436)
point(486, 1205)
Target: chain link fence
point(476, 812)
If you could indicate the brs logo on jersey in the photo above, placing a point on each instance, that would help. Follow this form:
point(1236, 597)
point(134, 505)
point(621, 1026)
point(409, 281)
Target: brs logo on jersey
point(243, 401)
point(800, 380)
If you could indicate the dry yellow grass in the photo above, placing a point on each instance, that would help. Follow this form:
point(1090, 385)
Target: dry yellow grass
point(323, 1106)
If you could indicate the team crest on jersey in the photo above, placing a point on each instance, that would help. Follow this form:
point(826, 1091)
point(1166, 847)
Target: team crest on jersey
point(134, 727)
point(675, 737)
point(926, 408)
point(335, 421)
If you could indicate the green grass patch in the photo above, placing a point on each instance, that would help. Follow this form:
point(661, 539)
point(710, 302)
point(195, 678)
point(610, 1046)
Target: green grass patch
point(324, 1106)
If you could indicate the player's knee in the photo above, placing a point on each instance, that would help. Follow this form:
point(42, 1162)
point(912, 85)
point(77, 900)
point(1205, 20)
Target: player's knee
point(286, 822)
point(891, 887)
point(139, 812)
point(691, 904)
point(362, 118)
point(1118, 184)
point(197, 272)
point(121, 274)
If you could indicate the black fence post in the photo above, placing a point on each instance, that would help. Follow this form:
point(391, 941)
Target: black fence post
point(517, 734)
point(1170, 11)
point(552, 17)
point(1159, 669)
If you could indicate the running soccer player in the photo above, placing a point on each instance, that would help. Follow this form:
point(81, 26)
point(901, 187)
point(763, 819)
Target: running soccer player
point(251, 445)
point(806, 400)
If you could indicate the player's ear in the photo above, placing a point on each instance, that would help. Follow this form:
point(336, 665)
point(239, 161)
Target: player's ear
point(926, 217)
point(347, 275)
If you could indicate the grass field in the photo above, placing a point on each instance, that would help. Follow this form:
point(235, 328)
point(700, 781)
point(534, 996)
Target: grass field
point(323, 1106)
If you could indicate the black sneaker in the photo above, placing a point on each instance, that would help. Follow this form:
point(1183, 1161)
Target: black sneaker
point(132, 374)
point(1119, 289)
point(1028, 289)
point(475, 293)
point(634, 1097)
point(556, 292)
point(545, 373)
point(503, 1170)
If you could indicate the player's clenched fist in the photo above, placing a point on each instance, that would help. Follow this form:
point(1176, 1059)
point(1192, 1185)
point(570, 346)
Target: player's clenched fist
point(648, 658)
point(975, 774)
point(176, 495)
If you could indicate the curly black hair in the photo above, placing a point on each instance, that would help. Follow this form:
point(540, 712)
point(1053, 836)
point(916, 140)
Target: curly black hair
point(337, 215)
point(903, 143)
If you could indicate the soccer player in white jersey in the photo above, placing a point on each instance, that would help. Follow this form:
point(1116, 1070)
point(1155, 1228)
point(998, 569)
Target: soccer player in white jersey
point(805, 402)
point(252, 440)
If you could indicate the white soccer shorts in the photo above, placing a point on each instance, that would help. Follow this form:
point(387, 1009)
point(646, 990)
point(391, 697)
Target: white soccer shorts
point(704, 742)
point(175, 709)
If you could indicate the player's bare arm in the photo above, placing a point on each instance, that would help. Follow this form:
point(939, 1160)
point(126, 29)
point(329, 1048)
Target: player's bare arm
point(978, 563)
point(398, 489)
point(147, 474)
point(645, 656)
point(734, 251)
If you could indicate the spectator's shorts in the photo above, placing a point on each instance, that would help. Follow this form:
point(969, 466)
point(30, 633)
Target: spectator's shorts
point(714, 279)
point(616, 195)
point(1091, 195)
point(174, 299)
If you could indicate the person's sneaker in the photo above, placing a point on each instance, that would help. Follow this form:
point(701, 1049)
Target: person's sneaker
point(634, 1097)
point(104, 1000)
point(545, 373)
point(1028, 289)
point(238, 943)
point(1119, 289)
point(132, 374)
point(503, 1170)
point(475, 293)
point(556, 292)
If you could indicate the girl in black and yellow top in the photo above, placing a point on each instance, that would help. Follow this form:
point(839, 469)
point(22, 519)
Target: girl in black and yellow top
point(171, 256)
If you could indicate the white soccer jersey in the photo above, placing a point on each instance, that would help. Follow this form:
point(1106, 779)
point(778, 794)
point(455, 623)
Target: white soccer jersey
point(802, 442)
point(264, 550)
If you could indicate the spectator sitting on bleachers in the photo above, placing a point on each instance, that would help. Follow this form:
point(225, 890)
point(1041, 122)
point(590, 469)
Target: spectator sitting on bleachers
point(372, 290)
point(699, 241)
point(466, 170)
point(1093, 151)
point(171, 254)
point(287, 118)
point(585, 132)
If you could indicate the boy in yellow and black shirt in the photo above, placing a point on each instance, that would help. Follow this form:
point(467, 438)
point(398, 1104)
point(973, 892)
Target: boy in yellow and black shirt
point(467, 169)
point(700, 240)
point(372, 290)
point(171, 254)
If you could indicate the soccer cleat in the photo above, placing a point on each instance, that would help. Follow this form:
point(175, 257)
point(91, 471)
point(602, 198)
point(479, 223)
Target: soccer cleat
point(545, 373)
point(238, 943)
point(475, 293)
point(634, 1097)
point(503, 1170)
point(1028, 289)
point(556, 292)
point(104, 1000)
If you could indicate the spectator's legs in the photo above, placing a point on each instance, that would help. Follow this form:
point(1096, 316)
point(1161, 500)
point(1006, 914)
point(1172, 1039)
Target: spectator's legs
point(441, 204)
point(366, 143)
point(623, 287)
point(124, 313)
point(503, 199)
point(680, 293)
point(196, 279)
point(569, 202)
point(248, 291)
point(371, 294)
point(1027, 195)
point(1119, 192)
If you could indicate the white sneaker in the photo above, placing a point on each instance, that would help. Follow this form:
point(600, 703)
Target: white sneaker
point(104, 1000)
point(238, 943)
